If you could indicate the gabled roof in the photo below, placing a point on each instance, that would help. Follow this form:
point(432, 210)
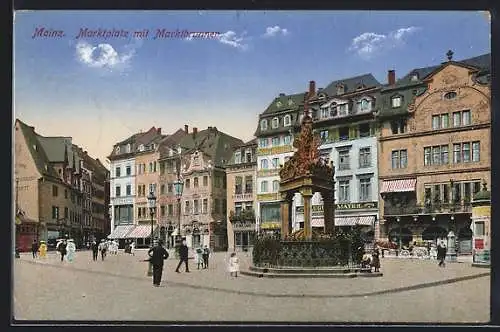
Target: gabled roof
point(351, 84)
point(285, 102)
point(39, 156)
point(171, 141)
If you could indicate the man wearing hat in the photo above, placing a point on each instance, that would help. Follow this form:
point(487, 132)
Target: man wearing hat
point(157, 255)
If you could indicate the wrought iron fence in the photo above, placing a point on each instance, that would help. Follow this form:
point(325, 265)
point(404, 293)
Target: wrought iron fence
point(464, 207)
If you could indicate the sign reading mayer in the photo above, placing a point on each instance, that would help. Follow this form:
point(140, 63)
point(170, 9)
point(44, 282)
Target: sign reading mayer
point(342, 206)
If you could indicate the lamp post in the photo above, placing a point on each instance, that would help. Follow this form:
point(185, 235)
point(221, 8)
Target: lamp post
point(152, 208)
point(179, 186)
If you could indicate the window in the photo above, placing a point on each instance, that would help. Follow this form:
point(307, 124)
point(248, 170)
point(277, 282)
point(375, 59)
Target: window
point(325, 113)
point(475, 151)
point(187, 183)
point(435, 122)
point(344, 191)
point(128, 190)
point(128, 148)
point(205, 180)
point(205, 205)
point(344, 133)
point(162, 210)
point(275, 141)
point(154, 167)
point(344, 159)
point(450, 95)
point(479, 228)
point(187, 208)
point(238, 185)
point(263, 125)
point(364, 130)
point(117, 191)
point(287, 139)
point(333, 110)
point(365, 191)
point(340, 89)
point(466, 119)
point(467, 192)
point(170, 209)
point(456, 154)
point(427, 156)
point(150, 167)
point(365, 158)
point(276, 186)
point(248, 155)
point(128, 170)
point(275, 123)
point(323, 135)
point(117, 172)
point(445, 121)
point(65, 193)
point(287, 120)
point(263, 164)
point(398, 127)
point(216, 205)
point(237, 157)
point(263, 142)
point(275, 162)
point(248, 184)
point(396, 102)
point(195, 182)
point(55, 212)
point(343, 109)
point(66, 212)
point(477, 187)
point(54, 191)
point(196, 206)
point(263, 187)
point(399, 159)
point(364, 105)
point(436, 155)
point(170, 187)
point(466, 152)
point(444, 155)
point(456, 119)
point(162, 189)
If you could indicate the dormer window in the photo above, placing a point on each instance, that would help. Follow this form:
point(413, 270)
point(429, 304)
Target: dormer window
point(170, 152)
point(325, 112)
point(141, 147)
point(279, 104)
point(340, 89)
point(360, 87)
point(237, 157)
point(343, 109)
point(117, 149)
point(364, 105)
point(290, 102)
point(321, 96)
point(396, 101)
point(450, 95)
point(128, 148)
point(333, 110)
point(275, 123)
point(263, 125)
point(414, 77)
point(287, 120)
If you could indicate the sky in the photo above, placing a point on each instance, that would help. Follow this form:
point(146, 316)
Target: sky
point(100, 87)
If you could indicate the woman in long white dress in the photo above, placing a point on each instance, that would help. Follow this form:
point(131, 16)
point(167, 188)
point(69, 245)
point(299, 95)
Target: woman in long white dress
point(70, 249)
point(234, 265)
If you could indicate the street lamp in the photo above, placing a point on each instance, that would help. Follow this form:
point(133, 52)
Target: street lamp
point(152, 207)
point(179, 187)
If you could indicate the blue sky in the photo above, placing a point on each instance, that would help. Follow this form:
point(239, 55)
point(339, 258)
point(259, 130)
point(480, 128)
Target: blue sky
point(102, 90)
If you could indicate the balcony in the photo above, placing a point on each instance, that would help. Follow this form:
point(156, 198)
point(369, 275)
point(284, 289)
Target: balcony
point(435, 208)
point(243, 197)
point(244, 216)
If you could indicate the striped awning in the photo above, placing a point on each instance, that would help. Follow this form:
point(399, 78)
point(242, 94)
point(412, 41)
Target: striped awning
point(140, 232)
point(352, 221)
point(398, 186)
point(120, 232)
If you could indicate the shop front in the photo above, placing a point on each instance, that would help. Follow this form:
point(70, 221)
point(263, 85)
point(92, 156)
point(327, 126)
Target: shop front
point(481, 227)
point(270, 218)
point(244, 235)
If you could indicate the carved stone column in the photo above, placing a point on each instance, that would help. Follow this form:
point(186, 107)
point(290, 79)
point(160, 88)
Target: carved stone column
point(307, 195)
point(285, 215)
point(328, 211)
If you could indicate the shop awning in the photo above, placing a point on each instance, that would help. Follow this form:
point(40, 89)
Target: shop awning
point(120, 232)
point(398, 186)
point(140, 232)
point(352, 221)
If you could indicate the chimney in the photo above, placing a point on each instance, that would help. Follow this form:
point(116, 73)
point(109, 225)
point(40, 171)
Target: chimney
point(158, 130)
point(282, 94)
point(391, 77)
point(312, 88)
point(195, 131)
point(186, 129)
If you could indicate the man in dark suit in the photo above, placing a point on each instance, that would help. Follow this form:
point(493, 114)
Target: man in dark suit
point(157, 255)
point(183, 254)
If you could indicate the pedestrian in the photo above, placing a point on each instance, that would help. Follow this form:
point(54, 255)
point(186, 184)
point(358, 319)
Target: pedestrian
point(132, 248)
point(70, 249)
point(376, 260)
point(43, 249)
point(234, 265)
point(61, 247)
point(183, 255)
point(157, 255)
point(441, 253)
point(34, 249)
point(95, 250)
point(199, 257)
point(103, 247)
point(206, 254)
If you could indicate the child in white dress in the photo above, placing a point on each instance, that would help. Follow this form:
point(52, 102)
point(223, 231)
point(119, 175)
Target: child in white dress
point(234, 265)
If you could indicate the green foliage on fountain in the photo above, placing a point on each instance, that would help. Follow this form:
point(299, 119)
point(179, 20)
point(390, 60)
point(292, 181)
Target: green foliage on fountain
point(342, 248)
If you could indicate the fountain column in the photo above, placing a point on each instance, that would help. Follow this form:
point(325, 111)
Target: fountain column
point(307, 195)
point(285, 216)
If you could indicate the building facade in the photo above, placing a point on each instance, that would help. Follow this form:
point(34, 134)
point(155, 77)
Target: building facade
point(434, 150)
point(241, 178)
point(275, 133)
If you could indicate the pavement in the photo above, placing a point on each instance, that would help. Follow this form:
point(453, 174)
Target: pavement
point(117, 289)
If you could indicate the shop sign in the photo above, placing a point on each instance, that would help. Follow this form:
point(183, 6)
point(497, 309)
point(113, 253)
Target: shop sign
point(270, 225)
point(318, 209)
point(267, 197)
point(481, 211)
point(478, 244)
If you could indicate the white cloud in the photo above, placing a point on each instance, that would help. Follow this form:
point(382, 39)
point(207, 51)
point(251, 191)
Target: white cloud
point(274, 31)
point(104, 55)
point(232, 39)
point(369, 44)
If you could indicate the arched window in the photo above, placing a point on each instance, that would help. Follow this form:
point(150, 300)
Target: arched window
point(450, 95)
point(263, 125)
point(287, 120)
point(275, 123)
point(276, 186)
point(264, 164)
point(263, 187)
point(128, 148)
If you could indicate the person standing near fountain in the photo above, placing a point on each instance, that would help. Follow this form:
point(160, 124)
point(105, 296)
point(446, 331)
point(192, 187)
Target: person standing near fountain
point(234, 265)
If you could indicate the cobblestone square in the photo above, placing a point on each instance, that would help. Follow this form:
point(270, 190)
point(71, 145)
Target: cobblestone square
point(118, 289)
